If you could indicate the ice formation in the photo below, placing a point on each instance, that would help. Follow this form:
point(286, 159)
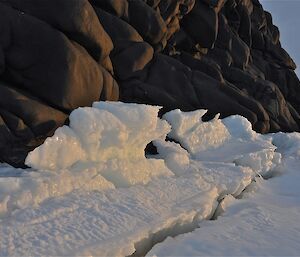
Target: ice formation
point(116, 201)
point(230, 141)
point(111, 137)
point(194, 134)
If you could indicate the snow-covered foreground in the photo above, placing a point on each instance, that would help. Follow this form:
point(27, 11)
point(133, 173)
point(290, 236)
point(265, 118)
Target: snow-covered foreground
point(265, 222)
point(91, 190)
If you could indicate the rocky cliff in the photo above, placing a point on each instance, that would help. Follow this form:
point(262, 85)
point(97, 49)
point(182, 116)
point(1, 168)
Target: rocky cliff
point(220, 55)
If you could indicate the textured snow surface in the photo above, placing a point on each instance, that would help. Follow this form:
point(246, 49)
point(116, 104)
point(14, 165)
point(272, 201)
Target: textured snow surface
point(265, 222)
point(92, 191)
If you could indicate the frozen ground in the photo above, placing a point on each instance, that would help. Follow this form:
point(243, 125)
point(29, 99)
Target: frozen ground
point(91, 190)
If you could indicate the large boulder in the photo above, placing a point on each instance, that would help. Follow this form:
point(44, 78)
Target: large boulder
point(42, 62)
point(131, 54)
point(202, 20)
point(25, 122)
point(81, 25)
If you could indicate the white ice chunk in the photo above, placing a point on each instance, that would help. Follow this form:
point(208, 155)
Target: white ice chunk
point(58, 152)
point(110, 137)
point(194, 134)
point(230, 140)
point(239, 127)
point(287, 144)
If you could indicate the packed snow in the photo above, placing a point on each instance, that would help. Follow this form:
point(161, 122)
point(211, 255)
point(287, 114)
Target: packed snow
point(265, 221)
point(92, 191)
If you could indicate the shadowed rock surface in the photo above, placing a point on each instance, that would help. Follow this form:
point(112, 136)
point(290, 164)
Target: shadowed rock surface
point(220, 55)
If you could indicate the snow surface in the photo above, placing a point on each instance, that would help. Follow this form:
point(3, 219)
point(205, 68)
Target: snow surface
point(92, 191)
point(264, 222)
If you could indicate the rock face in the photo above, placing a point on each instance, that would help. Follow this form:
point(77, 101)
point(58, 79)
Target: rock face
point(220, 55)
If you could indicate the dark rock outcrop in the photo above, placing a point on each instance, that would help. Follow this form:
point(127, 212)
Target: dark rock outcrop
point(220, 55)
